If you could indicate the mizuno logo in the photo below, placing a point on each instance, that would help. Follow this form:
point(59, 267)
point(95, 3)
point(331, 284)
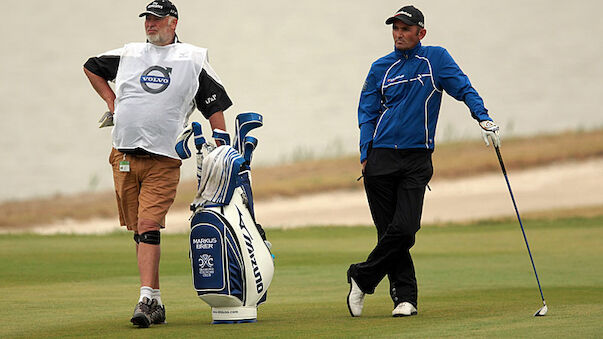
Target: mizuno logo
point(259, 285)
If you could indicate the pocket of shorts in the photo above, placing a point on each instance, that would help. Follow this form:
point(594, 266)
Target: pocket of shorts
point(174, 162)
point(113, 156)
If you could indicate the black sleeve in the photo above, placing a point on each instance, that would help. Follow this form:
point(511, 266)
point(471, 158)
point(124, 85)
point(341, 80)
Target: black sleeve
point(211, 97)
point(104, 66)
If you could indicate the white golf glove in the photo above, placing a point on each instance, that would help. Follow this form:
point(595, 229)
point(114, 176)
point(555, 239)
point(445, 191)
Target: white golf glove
point(106, 119)
point(490, 131)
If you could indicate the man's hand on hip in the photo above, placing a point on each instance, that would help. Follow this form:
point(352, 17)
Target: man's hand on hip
point(490, 131)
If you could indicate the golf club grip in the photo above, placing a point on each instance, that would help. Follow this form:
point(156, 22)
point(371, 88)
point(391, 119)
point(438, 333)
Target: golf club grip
point(500, 160)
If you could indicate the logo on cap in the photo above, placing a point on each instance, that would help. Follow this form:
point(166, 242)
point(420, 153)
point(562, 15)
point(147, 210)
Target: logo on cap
point(161, 8)
point(410, 15)
point(155, 79)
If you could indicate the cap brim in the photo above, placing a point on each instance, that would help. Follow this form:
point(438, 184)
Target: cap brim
point(402, 18)
point(155, 14)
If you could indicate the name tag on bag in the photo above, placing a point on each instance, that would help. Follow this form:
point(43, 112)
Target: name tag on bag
point(124, 166)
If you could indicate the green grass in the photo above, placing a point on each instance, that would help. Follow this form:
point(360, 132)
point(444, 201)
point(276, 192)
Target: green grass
point(474, 281)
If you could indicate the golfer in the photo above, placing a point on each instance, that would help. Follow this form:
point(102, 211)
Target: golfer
point(158, 84)
point(397, 115)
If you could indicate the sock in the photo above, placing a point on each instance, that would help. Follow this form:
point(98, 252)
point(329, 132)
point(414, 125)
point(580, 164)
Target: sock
point(145, 291)
point(157, 296)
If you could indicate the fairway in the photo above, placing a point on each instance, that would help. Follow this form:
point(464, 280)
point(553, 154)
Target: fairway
point(474, 281)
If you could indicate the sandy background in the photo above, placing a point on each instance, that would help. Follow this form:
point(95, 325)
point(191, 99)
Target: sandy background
point(545, 188)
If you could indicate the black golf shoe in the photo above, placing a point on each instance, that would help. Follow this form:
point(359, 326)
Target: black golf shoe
point(158, 314)
point(142, 312)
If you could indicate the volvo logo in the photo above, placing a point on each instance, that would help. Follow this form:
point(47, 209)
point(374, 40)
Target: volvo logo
point(155, 79)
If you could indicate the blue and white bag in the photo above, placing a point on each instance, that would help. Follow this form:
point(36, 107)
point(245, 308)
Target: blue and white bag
point(231, 263)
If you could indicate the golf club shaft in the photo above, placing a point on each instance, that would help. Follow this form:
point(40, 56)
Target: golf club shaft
point(502, 166)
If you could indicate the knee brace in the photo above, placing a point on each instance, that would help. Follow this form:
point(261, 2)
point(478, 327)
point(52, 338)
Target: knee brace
point(150, 237)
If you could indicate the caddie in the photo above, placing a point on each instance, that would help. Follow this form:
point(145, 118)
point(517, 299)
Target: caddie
point(397, 115)
point(158, 84)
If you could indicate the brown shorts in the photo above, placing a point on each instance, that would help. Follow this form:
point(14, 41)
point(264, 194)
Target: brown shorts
point(147, 191)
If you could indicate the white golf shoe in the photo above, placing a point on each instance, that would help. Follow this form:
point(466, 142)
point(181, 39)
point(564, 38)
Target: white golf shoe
point(355, 299)
point(404, 309)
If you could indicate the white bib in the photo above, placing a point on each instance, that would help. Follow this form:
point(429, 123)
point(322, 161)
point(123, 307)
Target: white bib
point(155, 90)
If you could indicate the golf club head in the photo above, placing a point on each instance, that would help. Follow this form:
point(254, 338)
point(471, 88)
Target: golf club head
point(198, 132)
point(542, 311)
point(182, 143)
point(250, 144)
point(222, 136)
point(244, 123)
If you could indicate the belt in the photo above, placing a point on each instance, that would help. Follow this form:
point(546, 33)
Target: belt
point(140, 153)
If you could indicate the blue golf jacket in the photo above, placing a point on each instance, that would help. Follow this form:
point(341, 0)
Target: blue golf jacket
point(401, 97)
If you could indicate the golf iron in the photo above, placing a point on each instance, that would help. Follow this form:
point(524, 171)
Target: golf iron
point(544, 309)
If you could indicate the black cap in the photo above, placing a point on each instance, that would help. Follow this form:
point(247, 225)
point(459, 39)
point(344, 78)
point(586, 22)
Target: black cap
point(161, 8)
point(409, 15)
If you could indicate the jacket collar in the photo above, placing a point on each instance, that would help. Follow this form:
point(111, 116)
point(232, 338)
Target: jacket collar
point(408, 53)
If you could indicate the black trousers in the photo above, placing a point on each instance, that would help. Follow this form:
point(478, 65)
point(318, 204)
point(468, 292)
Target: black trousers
point(395, 182)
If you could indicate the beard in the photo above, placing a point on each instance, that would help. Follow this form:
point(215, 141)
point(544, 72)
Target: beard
point(160, 38)
point(154, 38)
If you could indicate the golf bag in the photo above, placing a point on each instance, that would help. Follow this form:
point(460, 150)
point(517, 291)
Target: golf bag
point(231, 263)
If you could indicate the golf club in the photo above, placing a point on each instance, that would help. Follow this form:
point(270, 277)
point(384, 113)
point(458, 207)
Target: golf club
point(544, 309)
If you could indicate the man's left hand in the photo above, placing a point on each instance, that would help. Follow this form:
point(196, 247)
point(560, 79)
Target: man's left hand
point(490, 131)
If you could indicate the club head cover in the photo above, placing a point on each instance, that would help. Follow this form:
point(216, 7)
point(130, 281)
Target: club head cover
point(182, 143)
point(244, 123)
point(198, 132)
point(221, 136)
point(250, 144)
